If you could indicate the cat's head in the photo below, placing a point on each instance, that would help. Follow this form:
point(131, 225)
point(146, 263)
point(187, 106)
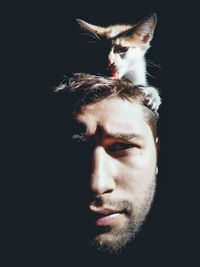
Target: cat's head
point(128, 43)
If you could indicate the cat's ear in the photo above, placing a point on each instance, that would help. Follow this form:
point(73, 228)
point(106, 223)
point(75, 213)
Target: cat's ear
point(145, 28)
point(97, 30)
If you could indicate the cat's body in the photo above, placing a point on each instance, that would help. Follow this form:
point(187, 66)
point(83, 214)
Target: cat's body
point(128, 45)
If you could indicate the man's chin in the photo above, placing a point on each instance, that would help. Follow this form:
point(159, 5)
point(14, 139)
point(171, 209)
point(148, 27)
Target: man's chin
point(113, 240)
point(111, 235)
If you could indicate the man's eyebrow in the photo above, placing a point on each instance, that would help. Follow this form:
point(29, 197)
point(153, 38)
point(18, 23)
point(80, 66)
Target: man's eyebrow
point(82, 137)
point(125, 136)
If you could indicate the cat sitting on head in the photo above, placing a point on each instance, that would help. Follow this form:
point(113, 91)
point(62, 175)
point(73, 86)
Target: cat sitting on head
point(128, 45)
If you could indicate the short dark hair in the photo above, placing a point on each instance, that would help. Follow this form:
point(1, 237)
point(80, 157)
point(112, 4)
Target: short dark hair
point(83, 89)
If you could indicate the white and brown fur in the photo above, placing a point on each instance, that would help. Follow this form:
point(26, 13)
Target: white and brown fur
point(126, 58)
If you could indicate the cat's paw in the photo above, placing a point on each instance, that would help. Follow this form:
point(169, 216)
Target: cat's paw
point(152, 97)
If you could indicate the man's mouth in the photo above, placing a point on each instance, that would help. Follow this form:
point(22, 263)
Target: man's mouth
point(105, 217)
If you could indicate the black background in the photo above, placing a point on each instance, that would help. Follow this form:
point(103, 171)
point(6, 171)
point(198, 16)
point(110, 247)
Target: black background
point(40, 49)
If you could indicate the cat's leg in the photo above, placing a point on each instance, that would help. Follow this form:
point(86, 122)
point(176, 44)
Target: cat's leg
point(152, 97)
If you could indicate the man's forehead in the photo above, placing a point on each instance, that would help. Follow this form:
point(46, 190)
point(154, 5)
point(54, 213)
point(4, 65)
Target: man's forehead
point(112, 117)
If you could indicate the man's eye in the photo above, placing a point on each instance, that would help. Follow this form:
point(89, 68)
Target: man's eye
point(122, 50)
point(120, 147)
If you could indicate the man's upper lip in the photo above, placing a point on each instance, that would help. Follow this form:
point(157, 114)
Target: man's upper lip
point(103, 211)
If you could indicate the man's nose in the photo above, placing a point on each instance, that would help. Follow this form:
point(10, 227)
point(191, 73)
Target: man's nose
point(102, 176)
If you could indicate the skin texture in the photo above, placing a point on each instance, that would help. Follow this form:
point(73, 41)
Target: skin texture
point(123, 172)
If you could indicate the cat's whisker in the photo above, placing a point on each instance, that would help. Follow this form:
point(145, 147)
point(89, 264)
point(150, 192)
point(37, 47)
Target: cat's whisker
point(90, 42)
point(97, 37)
point(152, 64)
point(150, 75)
point(93, 35)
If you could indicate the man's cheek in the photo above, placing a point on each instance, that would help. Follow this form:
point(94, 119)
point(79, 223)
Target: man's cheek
point(142, 161)
point(132, 181)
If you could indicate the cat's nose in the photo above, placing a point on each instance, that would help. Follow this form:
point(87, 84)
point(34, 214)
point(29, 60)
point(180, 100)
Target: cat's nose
point(109, 62)
point(111, 58)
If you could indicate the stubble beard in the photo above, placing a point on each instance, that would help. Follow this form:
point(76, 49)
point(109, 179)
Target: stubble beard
point(113, 239)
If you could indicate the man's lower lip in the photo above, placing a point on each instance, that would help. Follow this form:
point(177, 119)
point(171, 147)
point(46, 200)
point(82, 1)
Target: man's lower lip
point(107, 219)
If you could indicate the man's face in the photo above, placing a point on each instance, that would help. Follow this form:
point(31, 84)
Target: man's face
point(123, 170)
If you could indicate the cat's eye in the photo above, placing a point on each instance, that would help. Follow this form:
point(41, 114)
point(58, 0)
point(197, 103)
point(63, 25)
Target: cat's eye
point(122, 50)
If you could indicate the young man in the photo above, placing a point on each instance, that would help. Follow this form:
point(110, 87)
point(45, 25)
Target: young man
point(112, 157)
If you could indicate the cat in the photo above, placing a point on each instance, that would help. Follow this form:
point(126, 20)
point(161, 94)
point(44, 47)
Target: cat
point(126, 56)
